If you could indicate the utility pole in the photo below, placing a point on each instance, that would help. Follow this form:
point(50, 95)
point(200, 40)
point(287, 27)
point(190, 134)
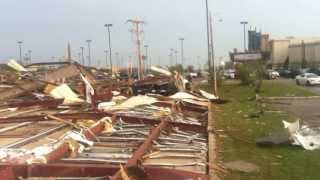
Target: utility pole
point(68, 53)
point(171, 56)
point(136, 29)
point(82, 55)
point(212, 57)
point(244, 23)
point(146, 57)
point(20, 51)
point(176, 55)
point(117, 59)
point(182, 57)
point(89, 51)
point(108, 26)
point(29, 52)
point(106, 51)
point(208, 45)
point(79, 57)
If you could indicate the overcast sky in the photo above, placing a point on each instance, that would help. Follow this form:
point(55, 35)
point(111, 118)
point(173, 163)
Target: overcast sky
point(45, 26)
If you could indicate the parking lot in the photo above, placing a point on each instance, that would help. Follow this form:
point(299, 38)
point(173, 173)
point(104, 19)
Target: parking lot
point(306, 110)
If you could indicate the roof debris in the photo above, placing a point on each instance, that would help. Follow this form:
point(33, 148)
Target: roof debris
point(64, 120)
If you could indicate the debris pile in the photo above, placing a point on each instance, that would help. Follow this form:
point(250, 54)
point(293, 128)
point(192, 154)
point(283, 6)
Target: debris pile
point(63, 120)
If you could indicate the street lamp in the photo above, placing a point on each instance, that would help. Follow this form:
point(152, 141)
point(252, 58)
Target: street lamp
point(82, 55)
point(20, 50)
point(89, 51)
point(109, 42)
point(176, 54)
point(182, 58)
point(29, 52)
point(146, 57)
point(106, 51)
point(244, 23)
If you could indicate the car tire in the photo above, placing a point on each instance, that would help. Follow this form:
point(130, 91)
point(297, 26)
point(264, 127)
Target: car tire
point(297, 82)
point(308, 83)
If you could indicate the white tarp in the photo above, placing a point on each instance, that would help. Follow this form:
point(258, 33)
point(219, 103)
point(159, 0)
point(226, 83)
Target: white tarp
point(65, 92)
point(303, 136)
point(16, 66)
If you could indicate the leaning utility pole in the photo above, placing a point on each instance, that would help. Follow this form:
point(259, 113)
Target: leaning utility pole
point(136, 30)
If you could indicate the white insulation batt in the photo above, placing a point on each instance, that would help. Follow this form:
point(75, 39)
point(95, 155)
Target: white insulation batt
point(16, 66)
point(65, 92)
point(303, 136)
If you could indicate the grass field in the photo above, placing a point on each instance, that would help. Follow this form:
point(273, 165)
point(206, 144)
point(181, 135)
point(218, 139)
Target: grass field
point(242, 122)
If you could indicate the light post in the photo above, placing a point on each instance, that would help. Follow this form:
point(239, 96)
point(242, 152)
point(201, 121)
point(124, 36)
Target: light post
point(182, 57)
point(146, 57)
point(20, 51)
point(89, 51)
point(244, 23)
point(106, 51)
point(176, 54)
point(29, 53)
point(109, 42)
point(82, 55)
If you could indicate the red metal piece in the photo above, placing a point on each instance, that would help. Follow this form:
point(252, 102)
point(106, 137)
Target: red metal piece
point(147, 144)
point(10, 172)
point(44, 103)
point(95, 130)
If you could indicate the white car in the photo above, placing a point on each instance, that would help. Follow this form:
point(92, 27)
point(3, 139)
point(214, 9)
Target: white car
point(272, 74)
point(308, 79)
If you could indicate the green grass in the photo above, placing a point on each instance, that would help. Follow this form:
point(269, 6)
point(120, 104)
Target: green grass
point(240, 132)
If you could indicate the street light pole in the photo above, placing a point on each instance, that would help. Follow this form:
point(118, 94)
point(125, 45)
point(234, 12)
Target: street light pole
point(82, 55)
point(109, 42)
point(106, 51)
point(20, 51)
point(244, 23)
point(29, 52)
point(176, 54)
point(146, 58)
point(89, 51)
point(182, 58)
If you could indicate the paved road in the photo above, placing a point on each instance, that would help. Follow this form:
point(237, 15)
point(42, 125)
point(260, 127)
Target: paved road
point(314, 89)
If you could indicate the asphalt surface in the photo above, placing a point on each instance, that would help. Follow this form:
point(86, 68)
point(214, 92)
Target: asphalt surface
point(315, 89)
point(307, 110)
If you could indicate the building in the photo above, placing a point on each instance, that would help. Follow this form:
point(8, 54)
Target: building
point(304, 54)
point(295, 50)
point(278, 51)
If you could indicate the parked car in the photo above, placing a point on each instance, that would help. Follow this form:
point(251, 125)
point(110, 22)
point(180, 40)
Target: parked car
point(308, 79)
point(272, 74)
point(230, 74)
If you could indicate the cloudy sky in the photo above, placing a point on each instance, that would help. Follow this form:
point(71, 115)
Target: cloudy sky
point(45, 26)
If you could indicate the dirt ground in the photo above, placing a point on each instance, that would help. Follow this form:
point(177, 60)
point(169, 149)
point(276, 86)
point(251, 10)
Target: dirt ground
point(307, 110)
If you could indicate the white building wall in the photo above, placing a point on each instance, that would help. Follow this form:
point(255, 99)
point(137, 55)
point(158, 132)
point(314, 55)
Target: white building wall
point(279, 51)
point(295, 54)
point(310, 53)
point(317, 52)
